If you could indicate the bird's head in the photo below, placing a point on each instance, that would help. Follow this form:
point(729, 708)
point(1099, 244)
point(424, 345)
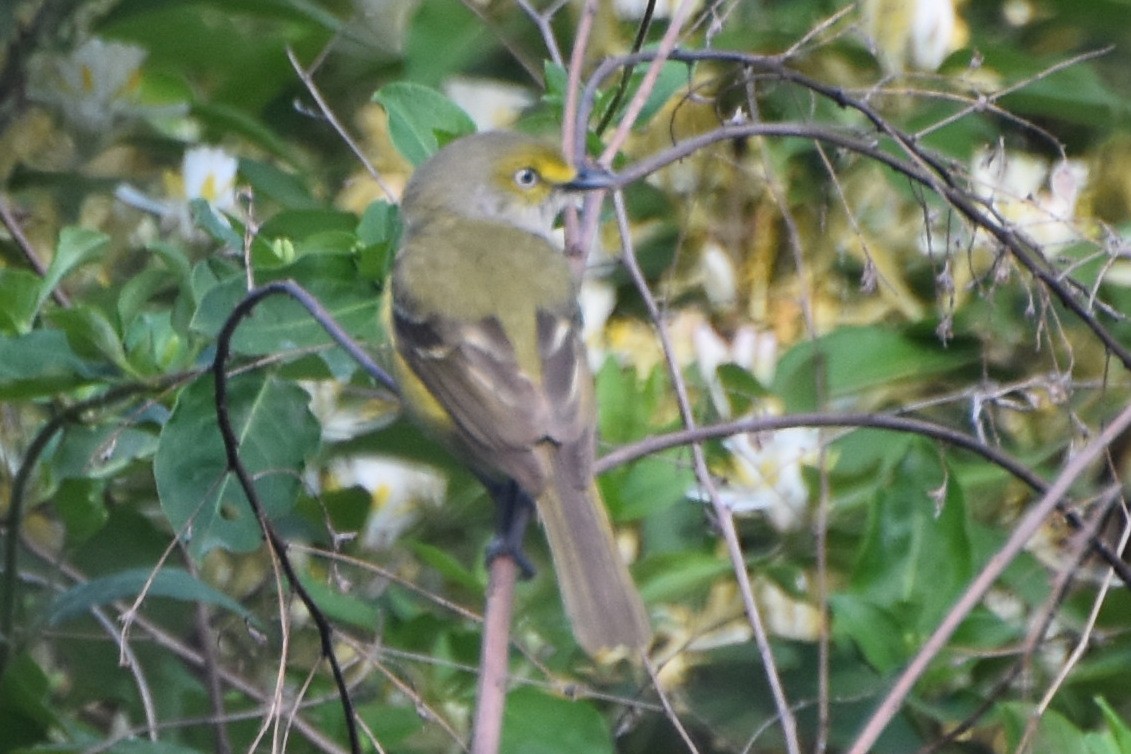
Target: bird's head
point(500, 176)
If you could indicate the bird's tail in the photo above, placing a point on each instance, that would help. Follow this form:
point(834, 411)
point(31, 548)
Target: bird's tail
point(600, 598)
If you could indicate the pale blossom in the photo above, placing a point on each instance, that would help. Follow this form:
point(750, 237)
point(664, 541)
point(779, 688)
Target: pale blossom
point(764, 475)
point(633, 10)
point(491, 104)
point(1032, 195)
point(749, 348)
point(399, 490)
point(912, 33)
point(95, 87)
point(720, 280)
point(207, 173)
point(597, 299)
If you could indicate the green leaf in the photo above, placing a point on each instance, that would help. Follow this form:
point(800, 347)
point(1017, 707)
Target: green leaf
point(81, 507)
point(154, 345)
point(173, 583)
point(673, 77)
point(380, 231)
point(651, 485)
point(448, 566)
point(857, 359)
point(916, 550)
point(1074, 94)
point(358, 612)
point(100, 452)
point(442, 39)
point(202, 500)
point(41, 363)
point(676, 575)
point(205, 217)
point(19, 300)
point(421, 120)
point(76, 246)
point(280, 323)
point(537, 723)
point(90, 334)
point(301, 224)
point(741, 388)
point(27, 710)
point(1056, 734)
point(1117, 727)
point(878, 633)
point(272, 182)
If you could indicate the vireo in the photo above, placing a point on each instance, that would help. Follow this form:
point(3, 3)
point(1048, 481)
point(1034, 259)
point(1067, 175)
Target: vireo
point(485, 328)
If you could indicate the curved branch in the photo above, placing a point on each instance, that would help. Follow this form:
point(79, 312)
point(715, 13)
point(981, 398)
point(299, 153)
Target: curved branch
point(235, 465)
point(921, 166)
point(657, 443)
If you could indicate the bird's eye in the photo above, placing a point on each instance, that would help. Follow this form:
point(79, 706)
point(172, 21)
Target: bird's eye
point(526, 178)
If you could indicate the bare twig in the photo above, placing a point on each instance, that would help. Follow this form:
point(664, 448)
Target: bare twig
point(276, 544)
point(543, 21)
point(655, 63)
point(492, 689)
point(12, 223)
point(921, 166)
point(626, 72)
point(669, 712)
point(725, 517)
point(332, 119)
point(173, 645)
point(18, 496)
point(657, 443)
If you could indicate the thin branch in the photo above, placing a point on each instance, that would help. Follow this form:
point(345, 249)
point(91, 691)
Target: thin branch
point(18, 495)
point(626, 72)
point(657, 443)
point(175, 646)
point(490, 696)
point(669, 712)
point(640, 98)
point(203, 619)
point(921, 166)
point(725, 517)
point(543, 20)
point(12, 223)
point(332, 119)
point(275, 542)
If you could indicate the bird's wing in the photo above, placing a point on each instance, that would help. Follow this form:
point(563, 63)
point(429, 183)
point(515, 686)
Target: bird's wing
point(502, 413)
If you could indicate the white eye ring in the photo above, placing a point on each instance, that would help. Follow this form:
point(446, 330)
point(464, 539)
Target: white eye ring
point(526, 178)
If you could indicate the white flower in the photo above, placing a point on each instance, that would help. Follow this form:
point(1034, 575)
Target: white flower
point(398, 489)
point(597, 300)
point(754, 351)
point(633, 10)
point(1032, 196)
point(764, 475)
point(915, 33)
point(95, 87)
point(932, 33)
point(345, 414)
point(720, 281)
point(491, 104)
point(207, 173)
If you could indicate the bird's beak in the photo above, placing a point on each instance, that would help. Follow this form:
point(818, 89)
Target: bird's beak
point(590, 179)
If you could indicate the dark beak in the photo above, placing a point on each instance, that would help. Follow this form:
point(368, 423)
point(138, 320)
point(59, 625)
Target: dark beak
point(591, 179)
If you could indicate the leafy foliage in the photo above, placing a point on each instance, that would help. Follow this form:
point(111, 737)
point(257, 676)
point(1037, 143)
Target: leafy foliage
point(798, 272)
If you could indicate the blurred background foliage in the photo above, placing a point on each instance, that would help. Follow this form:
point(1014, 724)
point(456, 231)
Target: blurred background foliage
point(155, 156)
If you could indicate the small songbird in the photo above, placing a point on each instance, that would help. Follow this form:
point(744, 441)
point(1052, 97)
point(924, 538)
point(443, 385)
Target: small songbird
point(485, 328)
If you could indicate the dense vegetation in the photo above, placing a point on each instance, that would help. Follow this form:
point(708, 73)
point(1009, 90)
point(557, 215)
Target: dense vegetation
point(895, 259)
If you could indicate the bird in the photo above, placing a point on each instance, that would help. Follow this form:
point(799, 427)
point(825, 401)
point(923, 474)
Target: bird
point(485, 329)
